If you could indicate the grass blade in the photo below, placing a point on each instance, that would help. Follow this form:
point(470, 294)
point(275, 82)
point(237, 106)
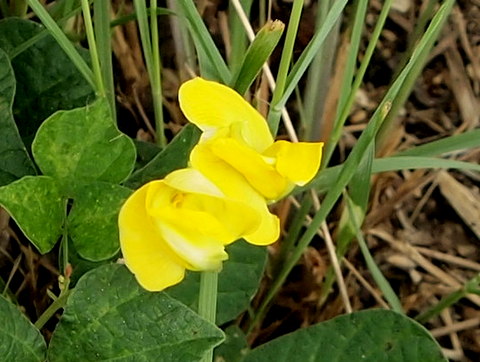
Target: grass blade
point(101, 17)
point(309, 53)
point(274, 114)
point(349, 167)
point(467, 140)
point(377, 275)
point(208, 54)
point(345, 110)
point(63, 41)
point(257, 54)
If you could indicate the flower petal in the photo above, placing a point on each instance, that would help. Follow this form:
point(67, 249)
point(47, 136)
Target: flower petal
point(145, 252)
point(235, 186)
point(261, 175)
point(218, 110)
point(192, 180)
point(268, 231)
point(197, 226)
point(298, 162)
point(200, 251)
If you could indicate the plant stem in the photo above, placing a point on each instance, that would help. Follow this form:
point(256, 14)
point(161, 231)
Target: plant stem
point(52, 309)
point(64, 240)
point(470, 287)
point(207, 303)
point(87, 18)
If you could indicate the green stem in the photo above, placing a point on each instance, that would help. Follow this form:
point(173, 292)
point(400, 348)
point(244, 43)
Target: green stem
point(207, 303)
point(184, 48)
point(64, 240)
point(52, 309)
point(275, 112)
point(59, 302)
point(87, 18)
point(470, 287)
point(64, 247)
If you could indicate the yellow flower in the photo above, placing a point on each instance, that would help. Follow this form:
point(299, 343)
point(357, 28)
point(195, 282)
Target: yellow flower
point(236, 137)
point(181, 222)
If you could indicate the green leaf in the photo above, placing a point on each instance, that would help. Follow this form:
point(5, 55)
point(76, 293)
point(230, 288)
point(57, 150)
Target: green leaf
point(19, 339)
point(80, 266)
point(47, 80)
point(257, 54)
point(83, 145)
point(36, 204)
point(146, 151)
point(235, 347)
point(92, 222)
point(372, 335)
point(237, 282)
point(173, 157)
point(14, 159)
point(109, 316)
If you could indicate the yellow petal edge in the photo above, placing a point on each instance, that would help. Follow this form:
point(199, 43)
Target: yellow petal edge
point(219, 111)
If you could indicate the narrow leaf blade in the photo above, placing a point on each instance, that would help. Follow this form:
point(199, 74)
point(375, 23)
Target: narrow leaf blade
point(257, 54)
